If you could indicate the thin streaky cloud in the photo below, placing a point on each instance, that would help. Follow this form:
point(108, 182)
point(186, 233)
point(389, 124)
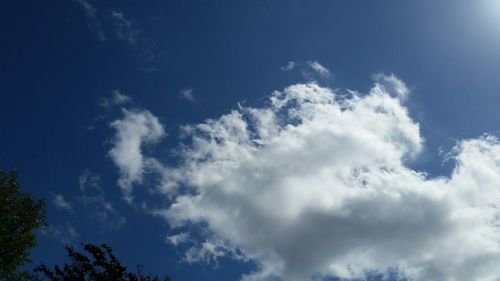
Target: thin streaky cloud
point(120, 98)
point(65, 234)
point(94, 199)
point(318, 68)
point(124, 28)
point(117, 98)
point(93, 21)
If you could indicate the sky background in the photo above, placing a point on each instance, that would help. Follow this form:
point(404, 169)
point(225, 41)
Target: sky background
point(70, 68)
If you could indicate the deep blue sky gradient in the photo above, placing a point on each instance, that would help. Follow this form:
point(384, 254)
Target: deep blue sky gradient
point(54, 70)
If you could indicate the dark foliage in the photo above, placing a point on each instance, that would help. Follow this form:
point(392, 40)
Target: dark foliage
point(102, 265)
point(20, 214)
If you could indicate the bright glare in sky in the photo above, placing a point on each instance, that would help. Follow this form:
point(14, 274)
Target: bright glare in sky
point(490, 13)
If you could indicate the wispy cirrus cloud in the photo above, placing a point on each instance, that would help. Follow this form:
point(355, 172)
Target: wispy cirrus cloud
point(311, 70)
point(94, 199)
point(124, 28)
point(318, 68)
point(93, 18)
point(66, 234)
point(316, 184)
point(127, 30)
point(117, 98)
point(115, 24)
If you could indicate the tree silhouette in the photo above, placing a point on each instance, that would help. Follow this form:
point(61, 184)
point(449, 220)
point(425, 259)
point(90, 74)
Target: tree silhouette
point(102, 265)
point(20, 214)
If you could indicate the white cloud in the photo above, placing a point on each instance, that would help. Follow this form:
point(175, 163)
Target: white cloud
point(210, 251)
point(318, 68)
point(117, 98)
point(91, 13)
point(187, 94)
point(392, 85)
point(289, 66)
point(178, 239)
point(136, 129)
point(315, 184)
point(207, 251)
point(93, 197)
point(61, 203)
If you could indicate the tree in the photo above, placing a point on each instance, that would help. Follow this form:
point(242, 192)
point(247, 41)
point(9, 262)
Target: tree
point(20, 214)
point(102, 265)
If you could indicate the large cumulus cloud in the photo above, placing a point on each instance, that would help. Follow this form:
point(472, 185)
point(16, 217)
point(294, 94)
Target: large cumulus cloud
point(316, 183)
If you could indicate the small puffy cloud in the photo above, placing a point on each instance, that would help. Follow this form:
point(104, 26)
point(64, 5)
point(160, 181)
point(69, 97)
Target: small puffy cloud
point(187, 94)
point(93, 198)
point(61, 203)
point(289, 66)
point(178, 239)
point(314, 184)
point(318, 68)
point(93, 21)
point(136, 129)
point(117, 98)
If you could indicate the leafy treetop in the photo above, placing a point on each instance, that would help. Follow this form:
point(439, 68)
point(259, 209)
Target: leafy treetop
point(20, 214)
point(102, 265)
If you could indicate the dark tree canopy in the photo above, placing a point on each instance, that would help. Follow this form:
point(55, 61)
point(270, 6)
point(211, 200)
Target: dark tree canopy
point(102, 265)
point(20, 214)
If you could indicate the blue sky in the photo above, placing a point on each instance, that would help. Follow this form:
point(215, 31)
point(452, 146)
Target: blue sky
point(228, 140)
